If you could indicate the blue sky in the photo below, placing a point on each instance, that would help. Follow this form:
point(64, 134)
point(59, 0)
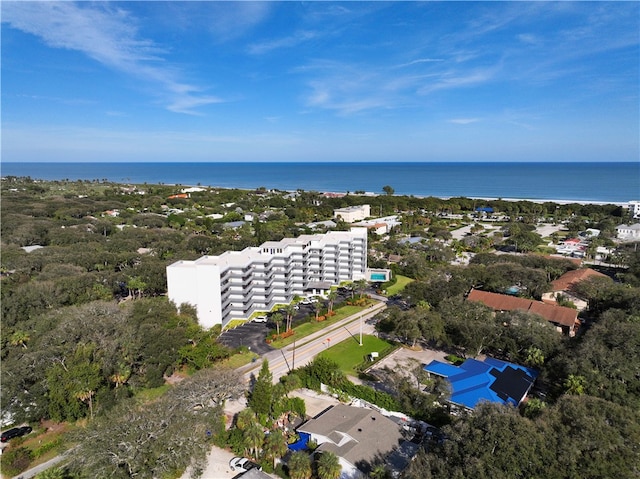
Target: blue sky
point(320, 81)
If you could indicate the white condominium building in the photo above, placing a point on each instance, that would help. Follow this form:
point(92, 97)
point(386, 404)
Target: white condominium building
point(236, 284)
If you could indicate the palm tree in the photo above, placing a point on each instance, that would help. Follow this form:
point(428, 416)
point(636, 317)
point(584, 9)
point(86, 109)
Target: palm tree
point(535, 357)
point(52, 473)
point(380, 472)
point(289, 310)
point(253, 438)
point(360, 286)
point(299, 465)
point(245, 418)
point(19, 338)
point(275, 446)
point(332, 296)
point(329, 466)
point(120, 378)
point(277, 318)
point(315, 307)
point(575, 384)
point(87, 396)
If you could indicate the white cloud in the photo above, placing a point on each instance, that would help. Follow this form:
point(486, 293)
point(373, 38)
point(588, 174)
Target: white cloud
point(420, 60)
point(529, 38)
point(108, 35)
point(463, 121)
point(459, 79)
point(286, 42)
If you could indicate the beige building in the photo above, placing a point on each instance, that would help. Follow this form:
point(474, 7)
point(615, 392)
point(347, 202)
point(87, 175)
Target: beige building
point(352, 214)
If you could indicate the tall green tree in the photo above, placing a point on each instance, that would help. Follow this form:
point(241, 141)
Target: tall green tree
point(262, 395)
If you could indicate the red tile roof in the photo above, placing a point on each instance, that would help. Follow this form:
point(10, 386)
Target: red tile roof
point(568, 280)
point(503, 302)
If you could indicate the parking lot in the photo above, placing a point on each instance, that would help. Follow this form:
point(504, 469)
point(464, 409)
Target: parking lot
point(253, 334)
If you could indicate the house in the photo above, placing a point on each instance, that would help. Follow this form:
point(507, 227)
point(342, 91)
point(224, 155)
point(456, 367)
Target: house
point(565, 286)
point(411, 240)
point(360, 437)
point(490, 380)
point(565, 319)
point(255, 473)
point(234, 225)
point(628, 232)
point(352, 214)
point(380, 226)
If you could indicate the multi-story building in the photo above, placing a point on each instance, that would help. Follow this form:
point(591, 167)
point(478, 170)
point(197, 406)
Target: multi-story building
point(236, 284)
point(634, 208)
point(352, 213)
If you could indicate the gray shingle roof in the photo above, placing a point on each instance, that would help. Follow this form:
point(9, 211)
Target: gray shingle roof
point(362, 435)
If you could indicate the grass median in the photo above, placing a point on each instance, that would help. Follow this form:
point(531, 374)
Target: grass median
point(305, 329)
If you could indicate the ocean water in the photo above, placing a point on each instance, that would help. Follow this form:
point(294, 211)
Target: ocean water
point(594, 182)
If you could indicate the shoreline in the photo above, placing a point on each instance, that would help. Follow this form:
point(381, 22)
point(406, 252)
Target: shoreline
point(365, 194)
point(479, 198)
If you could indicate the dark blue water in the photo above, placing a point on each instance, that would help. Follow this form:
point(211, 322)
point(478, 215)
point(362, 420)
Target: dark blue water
point(597, 182)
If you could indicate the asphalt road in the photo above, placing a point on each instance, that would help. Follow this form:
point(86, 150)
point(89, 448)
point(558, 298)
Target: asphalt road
point(302, 352)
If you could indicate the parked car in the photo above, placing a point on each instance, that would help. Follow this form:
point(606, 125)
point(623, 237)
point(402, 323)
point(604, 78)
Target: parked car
point(15, 432)
point(260, 319)
point(242, 464)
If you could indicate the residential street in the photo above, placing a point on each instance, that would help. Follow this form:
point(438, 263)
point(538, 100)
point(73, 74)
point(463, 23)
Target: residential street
point(302, 352)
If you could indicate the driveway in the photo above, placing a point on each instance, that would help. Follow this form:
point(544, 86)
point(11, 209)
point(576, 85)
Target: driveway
point(217, 465)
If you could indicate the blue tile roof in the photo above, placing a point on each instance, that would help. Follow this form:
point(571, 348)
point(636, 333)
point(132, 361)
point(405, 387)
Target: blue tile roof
point(489, 380)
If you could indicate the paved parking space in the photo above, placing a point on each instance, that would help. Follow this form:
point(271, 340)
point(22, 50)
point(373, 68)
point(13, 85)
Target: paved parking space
point(251, 335)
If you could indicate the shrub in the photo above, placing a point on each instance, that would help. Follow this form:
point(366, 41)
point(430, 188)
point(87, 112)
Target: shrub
point(15, 461)
point(46, 447)
point(456, 360)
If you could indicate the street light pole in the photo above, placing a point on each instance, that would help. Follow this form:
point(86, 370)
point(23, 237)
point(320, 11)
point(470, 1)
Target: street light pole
point(361, 330)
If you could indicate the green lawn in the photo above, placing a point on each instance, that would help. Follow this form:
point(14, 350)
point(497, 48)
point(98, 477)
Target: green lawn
point(305, 329)
point(348, 354)
point(399, 285)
